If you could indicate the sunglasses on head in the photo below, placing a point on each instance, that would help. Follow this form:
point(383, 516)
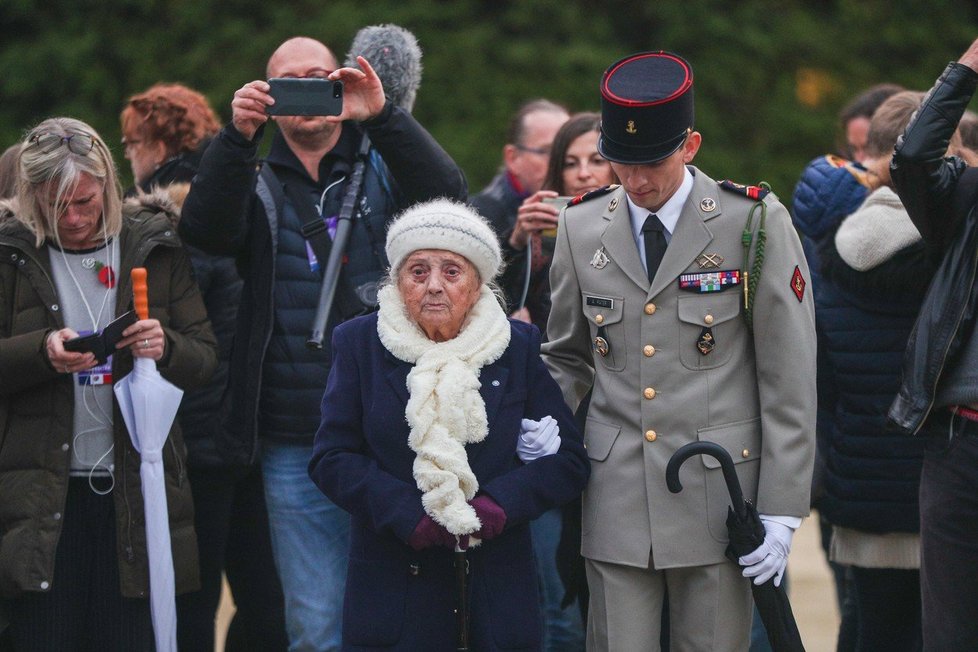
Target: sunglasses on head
point(80, 144)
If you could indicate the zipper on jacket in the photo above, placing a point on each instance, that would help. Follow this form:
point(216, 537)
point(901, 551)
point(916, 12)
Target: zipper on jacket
point(957, 325)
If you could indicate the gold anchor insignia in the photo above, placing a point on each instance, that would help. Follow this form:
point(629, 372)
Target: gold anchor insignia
point(709, 261)
point(631, 127)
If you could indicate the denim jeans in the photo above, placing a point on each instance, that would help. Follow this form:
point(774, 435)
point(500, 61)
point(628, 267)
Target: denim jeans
point(563, 630)
point(310, 542)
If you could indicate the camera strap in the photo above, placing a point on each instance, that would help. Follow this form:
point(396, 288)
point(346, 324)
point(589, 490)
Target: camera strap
point(315, 231)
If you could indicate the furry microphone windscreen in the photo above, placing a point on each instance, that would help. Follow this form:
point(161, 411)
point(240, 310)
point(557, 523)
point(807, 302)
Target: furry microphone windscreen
point(395, 56)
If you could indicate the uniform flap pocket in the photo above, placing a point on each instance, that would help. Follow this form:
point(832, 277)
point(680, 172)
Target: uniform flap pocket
point(599, 438)
point(602, 309)
point(741, 439)
point(709, 309)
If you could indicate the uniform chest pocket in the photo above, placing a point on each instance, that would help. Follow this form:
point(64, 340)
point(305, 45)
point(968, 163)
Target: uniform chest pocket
point(709, 329)
point(604, 313)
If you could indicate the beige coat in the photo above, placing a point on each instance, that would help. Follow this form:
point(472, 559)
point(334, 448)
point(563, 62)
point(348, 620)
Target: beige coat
point(654, 391)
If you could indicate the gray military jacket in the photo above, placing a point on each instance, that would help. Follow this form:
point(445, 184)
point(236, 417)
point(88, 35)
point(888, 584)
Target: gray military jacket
point(655, 389)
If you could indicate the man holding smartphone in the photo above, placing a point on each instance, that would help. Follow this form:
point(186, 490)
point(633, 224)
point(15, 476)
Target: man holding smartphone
point(648, 311)
point(257, 213)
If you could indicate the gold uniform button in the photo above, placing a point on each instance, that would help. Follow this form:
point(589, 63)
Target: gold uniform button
point(708, 319)
point(599, 319)
point(648, 350)
point(649, 393)
point(745, 453)
point(649, 308)
point(650, 435)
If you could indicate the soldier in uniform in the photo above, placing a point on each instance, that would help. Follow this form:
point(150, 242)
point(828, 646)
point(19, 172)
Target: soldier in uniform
point(649, 310)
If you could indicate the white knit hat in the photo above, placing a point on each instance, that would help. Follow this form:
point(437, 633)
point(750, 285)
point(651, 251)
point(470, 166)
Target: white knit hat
point(444, 224)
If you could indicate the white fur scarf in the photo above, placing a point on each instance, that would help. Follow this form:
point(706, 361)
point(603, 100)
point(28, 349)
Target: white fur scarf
point(445, 410)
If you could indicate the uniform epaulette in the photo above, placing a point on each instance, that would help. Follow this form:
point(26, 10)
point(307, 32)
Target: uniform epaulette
point(751, 192)
point(598, 192)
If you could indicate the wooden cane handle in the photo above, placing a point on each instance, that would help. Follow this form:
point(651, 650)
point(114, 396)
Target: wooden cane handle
point(140, 298)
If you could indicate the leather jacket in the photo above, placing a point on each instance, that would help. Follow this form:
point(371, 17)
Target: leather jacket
point(939, 194)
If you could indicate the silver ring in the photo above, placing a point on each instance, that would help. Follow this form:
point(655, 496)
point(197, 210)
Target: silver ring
point(66, 369)
point(145, 344)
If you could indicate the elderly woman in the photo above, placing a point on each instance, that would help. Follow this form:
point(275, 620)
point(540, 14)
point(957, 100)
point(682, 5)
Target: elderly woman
point(442, 427)
point(73, 549)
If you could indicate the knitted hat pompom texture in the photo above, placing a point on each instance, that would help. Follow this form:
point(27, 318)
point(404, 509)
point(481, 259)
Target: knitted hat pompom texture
point(444, 224)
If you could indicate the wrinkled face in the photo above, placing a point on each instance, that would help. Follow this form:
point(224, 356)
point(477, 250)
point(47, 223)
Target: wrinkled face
point(438, 288)
point(79, 222)
point(650, 185)
point(583, 168)
point(303, 58)
point(857, 135)
point(527, 161)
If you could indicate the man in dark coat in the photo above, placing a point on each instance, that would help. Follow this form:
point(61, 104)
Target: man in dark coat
point(258, 217)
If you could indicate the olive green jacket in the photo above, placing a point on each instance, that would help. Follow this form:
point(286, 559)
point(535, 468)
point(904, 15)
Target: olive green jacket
point(37, 404)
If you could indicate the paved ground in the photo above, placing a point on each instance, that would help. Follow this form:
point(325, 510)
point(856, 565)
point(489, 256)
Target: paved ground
point(812, 594)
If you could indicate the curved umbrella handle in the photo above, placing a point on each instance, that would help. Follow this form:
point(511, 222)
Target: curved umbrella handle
point(720, 454)
point(140, 298)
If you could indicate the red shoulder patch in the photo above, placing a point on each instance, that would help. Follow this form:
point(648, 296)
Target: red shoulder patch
point(798, 284)
point(751, 192)
point(598, 192)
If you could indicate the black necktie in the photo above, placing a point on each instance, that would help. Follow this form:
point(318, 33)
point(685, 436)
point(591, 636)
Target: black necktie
point(655, 244)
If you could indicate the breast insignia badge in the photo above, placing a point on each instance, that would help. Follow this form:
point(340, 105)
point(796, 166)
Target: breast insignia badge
point(709, 261)
point(706, 342)
point(599, 259)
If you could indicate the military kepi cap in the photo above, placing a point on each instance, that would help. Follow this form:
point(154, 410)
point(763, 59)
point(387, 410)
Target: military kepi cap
point(646, 107)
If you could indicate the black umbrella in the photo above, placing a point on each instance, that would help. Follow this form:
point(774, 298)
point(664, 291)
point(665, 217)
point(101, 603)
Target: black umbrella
point(746, 534)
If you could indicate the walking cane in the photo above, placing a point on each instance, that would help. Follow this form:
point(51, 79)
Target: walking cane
point(461, 600)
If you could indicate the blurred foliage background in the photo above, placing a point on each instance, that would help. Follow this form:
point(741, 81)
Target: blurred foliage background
point(771, 75)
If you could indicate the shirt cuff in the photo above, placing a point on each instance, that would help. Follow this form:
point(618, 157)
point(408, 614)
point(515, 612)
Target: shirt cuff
point(788, 521)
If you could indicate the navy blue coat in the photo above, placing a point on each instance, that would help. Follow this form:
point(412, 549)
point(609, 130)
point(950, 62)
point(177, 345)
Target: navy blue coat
point(397, 598)
point(863, 321)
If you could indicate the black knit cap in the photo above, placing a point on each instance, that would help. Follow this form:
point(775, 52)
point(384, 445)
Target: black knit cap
point(646, 107)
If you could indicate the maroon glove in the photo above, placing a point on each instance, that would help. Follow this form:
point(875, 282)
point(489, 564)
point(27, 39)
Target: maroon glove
point(491, 515)
point(428, 533)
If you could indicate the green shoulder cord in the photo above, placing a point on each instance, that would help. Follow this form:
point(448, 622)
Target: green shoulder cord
point(751, 278)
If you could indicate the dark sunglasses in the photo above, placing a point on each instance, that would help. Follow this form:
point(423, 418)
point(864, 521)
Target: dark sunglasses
point(80, 144)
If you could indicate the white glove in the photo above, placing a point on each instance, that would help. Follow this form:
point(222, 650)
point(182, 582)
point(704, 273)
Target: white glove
point(537, 438)
point(771, 557)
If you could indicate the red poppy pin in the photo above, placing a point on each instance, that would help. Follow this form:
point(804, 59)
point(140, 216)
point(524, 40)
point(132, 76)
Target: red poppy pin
point(106, 275)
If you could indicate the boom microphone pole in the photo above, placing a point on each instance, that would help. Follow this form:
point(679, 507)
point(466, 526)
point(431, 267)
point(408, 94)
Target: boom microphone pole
point(394, 54)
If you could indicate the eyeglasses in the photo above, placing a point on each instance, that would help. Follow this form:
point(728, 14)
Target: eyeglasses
point(540, 151)
point(80, 144)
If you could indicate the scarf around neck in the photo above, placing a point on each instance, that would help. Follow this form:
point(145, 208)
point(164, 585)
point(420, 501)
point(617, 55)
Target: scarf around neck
point(445, 410)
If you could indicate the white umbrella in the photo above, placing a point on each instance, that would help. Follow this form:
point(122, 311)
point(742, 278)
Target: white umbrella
point(149, 404)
